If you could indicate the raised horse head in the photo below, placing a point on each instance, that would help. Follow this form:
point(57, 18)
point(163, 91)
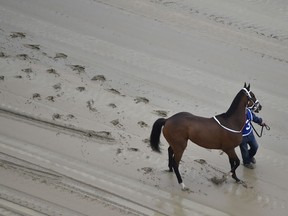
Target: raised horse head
point(252, 103)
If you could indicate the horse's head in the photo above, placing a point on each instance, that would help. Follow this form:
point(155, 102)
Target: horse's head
point(252, 103)
point(244, 98)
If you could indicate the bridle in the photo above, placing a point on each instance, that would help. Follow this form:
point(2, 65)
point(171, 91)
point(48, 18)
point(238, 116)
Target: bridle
point(248, 93)
point(255, 103)
point(255, 106)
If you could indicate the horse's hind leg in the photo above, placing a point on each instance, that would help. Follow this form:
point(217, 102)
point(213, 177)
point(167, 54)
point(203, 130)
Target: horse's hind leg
point(170, 158)
point(175, 164)
point(177, 146)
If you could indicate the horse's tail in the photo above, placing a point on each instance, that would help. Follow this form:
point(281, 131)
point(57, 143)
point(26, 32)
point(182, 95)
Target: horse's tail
point(155, 134)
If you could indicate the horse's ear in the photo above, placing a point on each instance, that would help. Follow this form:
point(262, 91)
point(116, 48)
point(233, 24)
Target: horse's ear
point(245, 85)
point(248, 87)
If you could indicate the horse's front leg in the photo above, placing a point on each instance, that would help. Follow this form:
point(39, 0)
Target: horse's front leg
point(234, 162)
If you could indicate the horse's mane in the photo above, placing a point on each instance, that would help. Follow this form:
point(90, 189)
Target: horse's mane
point(233, 106)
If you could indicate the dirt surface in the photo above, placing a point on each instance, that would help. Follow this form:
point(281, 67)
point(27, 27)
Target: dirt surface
point(82, 82)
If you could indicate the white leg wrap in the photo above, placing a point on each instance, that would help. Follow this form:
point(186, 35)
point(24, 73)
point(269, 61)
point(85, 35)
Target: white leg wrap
point(183, 187)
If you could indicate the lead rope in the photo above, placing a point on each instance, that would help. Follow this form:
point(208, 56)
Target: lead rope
point(260, 135)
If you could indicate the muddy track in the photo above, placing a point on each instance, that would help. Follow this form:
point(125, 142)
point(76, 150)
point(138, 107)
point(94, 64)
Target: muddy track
point(20, 203)
point(53, 172)
point(13, 202)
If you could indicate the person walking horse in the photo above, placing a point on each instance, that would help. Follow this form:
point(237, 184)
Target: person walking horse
point(219, 132)
point(249, 145)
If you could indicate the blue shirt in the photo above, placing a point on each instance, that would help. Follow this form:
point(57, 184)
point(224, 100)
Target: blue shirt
point(250, 116)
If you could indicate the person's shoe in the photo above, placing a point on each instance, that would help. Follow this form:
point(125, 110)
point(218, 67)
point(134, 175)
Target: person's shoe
point(249, 166)
point(253, 160)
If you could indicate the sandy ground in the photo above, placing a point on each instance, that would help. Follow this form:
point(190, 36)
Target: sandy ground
point(82, 82)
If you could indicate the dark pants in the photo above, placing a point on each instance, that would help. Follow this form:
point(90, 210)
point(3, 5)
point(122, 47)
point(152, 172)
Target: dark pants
point(248, 148)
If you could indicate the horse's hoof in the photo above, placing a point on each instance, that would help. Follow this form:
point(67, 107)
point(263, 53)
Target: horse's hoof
point(236, 178)
point(238, 181)
point(242, 183)
point(183, 187)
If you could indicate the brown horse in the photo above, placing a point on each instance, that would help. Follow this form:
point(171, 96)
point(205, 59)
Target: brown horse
point(219, 132)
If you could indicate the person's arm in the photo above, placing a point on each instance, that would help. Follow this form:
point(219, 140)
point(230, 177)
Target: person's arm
point(257, 119)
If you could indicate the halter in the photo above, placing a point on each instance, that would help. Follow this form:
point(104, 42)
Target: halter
point(248, 93)
point(255, 104)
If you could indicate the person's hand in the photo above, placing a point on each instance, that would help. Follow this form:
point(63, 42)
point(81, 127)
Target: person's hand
point(263, 124)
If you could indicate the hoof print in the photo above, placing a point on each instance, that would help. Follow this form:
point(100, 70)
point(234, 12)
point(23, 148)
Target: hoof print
point(60, 56)
point(99, 78)
point(17, 35)
point(141, 100)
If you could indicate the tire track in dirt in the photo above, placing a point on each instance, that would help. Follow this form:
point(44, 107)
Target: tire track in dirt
point(100, 135)
point(13, 202)
point(57, 181)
